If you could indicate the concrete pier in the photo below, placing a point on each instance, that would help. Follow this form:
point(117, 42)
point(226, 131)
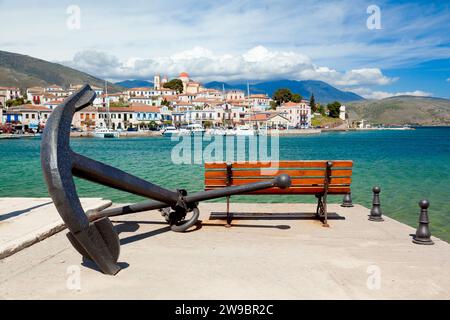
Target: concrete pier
point(25, 221)
point(274, 251)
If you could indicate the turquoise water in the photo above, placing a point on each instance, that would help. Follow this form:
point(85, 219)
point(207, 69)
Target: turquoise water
point(408, 165)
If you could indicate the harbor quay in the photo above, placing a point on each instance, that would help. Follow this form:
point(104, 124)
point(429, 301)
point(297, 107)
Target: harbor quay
point(271, 251)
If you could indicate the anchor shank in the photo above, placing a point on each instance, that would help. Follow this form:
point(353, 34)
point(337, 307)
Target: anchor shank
point(104, 174)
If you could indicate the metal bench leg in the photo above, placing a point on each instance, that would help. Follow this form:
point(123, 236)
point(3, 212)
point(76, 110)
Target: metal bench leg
point(325, 211)
point(319, 209)
point(229, 214)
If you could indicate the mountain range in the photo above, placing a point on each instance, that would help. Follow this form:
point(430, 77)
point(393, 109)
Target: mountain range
point(24, 71)
point(402, 110)
point(323, 92)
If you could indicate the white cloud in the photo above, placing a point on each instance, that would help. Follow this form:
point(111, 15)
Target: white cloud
point(377, 95)
point(258, 63)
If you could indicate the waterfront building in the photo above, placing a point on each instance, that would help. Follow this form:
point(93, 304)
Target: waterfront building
point(36, 95)
point(120, 117)
point(53, 103)
point(273, 120)
point(157, 82)
point(238, 114)
point(166, 113)
point(11, 117)
point(342, 113)
point(258, 100)
point(145, 113)
point(298, 114)
point(186, 97)
point(136, 115)
point(210, 94)
point(145, 100)
point(8, 93)
point(48, 97)
point(189, 86)
point(86, 119)
point(235, 95)
point(57, 91)
point(31, 116)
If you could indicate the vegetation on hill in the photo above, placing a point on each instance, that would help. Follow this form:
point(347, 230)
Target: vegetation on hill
point(323, 92)
point(24, 71)
point(325, 121)
point(401, 110)
point(174, 84)
point(134, 83)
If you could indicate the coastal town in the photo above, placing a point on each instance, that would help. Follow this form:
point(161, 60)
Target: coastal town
point(175, 103)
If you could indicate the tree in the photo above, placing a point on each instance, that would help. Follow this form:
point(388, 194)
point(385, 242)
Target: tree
point(17, 102)
point(273, 105)
point(333, 109)
point(282, 95)
point(207, 124)
point(296, 98)
point(312, 103)
point(174, 84)
point(152, 125)
point(320, 109)
point(165, 102)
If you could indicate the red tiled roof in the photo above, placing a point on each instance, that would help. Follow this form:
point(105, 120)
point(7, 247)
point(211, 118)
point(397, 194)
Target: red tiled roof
point(141, 89)
point(140, 107)
point(29, 107)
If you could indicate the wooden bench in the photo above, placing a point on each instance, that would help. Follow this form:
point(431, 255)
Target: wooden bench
point(319, 178)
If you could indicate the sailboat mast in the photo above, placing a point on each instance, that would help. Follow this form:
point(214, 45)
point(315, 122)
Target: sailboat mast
point(108, 115)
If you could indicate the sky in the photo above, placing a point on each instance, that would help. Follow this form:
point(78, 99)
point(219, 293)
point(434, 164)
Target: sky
point(375, 48)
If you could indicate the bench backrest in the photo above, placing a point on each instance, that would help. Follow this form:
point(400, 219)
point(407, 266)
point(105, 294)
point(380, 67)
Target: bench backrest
point(308, 177)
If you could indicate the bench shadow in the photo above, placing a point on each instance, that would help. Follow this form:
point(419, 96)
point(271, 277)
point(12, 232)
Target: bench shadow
point(222, 225)
point(19, 212)
point(273, 216)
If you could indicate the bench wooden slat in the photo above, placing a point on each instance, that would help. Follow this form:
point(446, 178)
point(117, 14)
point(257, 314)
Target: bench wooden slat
point(295, 182)
point(270, 174)
point(282, 164)
point(299, 190)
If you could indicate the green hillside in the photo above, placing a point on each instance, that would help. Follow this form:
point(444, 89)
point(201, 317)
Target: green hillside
point(402, 110)
point(25, 71)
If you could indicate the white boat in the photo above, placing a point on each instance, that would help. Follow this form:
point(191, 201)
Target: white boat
point(230, 132)
point(244, 130)
point(171, 130)
point(106, 133)
point(195, 128)
point(215, 132)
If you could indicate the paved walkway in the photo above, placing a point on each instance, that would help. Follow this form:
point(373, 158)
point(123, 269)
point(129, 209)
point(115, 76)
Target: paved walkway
point(267, 258)
point(25, 221)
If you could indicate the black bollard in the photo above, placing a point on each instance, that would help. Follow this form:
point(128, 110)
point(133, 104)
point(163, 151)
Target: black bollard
point(375, 213)
point(423, 234)
point(347, 201)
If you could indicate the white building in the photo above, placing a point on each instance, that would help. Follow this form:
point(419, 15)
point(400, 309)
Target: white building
point(298, 114)
point(342, 113)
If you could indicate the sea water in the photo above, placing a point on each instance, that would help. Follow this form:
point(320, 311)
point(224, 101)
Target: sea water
point(408, 165)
